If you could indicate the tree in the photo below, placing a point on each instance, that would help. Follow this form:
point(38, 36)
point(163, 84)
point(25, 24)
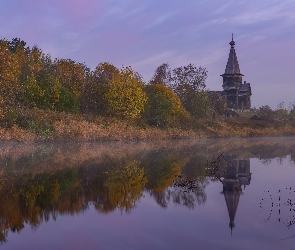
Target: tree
point(265, 111)
point(217, 103)
point(292, 109)
point(49, 86)
point(31, 93)
point(162, 75)
point(35, 59)
point(96, 86)
point(71, 75)
point(9, 72)
point(281, 110)
point(104, 72)
point(162, 106)
point(126, 97)
point(188, 83)
point(67, 101)
point(159, 109)
point(190, 75)
point(196, 103)
point(15, 43)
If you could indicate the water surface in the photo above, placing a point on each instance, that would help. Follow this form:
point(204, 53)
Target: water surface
point(198, 194)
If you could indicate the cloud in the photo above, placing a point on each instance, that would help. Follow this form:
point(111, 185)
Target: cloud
point(145, 34)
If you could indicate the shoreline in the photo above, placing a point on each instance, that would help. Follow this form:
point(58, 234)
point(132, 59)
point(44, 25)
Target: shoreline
point(120, 132)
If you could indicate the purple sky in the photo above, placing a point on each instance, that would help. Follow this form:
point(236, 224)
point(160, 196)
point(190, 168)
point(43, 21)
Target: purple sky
point(145, 34)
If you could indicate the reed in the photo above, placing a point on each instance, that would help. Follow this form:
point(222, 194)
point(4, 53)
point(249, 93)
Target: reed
point(47, 125)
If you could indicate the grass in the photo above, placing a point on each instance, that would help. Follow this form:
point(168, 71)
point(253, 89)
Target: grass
point(40, 125)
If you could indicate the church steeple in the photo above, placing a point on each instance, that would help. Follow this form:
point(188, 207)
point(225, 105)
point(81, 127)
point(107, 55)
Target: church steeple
point(232, 66)
point(236, 93)
point(232, 43)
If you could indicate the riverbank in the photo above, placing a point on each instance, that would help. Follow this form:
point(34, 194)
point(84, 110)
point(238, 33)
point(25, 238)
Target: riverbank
point(40, 125)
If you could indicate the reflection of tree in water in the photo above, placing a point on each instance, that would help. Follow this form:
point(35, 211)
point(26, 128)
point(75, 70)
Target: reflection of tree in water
point(40, 186)
point(166, 169)
point(189, 192)
point(34, 199)
point(161, 167)
point(186, 188)
point(125, 186)
point(182, 195)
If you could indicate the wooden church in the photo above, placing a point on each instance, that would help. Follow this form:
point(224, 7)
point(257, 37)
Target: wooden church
point(236, 93)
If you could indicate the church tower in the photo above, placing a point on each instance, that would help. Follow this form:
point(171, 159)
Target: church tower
point(236, 93)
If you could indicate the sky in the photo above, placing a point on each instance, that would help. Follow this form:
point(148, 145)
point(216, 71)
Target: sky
point(144, 34)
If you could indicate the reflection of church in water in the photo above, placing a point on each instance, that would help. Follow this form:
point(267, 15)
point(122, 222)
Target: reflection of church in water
point(236, 177)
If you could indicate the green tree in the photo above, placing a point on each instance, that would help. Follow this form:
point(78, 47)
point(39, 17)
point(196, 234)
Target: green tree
point(42, 91)
point(188, 82)
point(217, 104)
point(32, 94)
point(67, 102)
point(126, 97)
point(159, 110)
point(96, 87)
point(162, 106)
point(196, 103)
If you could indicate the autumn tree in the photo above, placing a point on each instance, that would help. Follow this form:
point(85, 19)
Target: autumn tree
point(15, 43)
point(188, 82)
point(96, 87)
point(190, 75)
point(9, 71)
point(162, 75)
point(71, 75)
point(104, 72)
point(126, 97)
point(163, 105)
point(38, 82)
point(9, 76)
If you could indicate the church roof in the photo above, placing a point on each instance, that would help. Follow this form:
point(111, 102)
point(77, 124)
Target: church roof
point(232, 66)
point(244, 87)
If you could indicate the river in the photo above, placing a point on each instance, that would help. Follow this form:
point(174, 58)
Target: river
point(177, 194)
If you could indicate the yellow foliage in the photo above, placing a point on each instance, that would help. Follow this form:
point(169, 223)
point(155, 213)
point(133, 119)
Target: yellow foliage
point(71, 75)
point(9, 72)
point(125, 185)
point(126, 97)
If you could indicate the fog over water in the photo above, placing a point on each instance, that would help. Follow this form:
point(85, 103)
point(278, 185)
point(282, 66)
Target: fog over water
point(209, 194)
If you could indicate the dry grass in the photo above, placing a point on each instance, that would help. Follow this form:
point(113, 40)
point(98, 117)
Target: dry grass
point(88, 131)
point(40, 125)
point(16, 134)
